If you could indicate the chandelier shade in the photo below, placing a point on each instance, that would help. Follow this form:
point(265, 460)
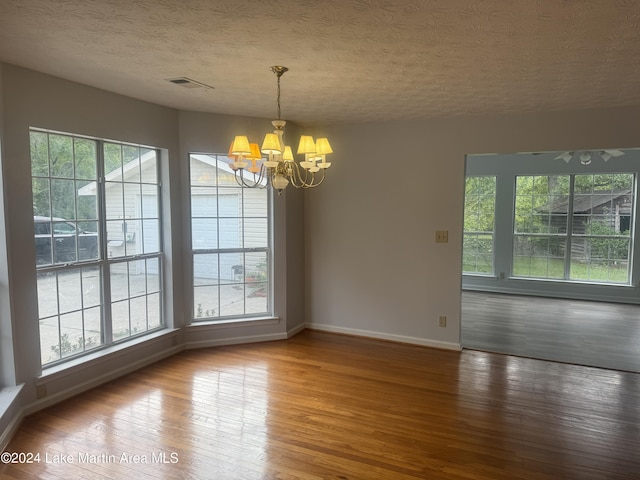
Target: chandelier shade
point(279, 169)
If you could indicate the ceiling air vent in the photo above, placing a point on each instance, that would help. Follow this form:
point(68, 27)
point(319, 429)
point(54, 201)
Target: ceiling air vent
point(188, 83)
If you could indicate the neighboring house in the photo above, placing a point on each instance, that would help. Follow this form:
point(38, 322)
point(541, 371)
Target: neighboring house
point(133, 221)
point(611, 209)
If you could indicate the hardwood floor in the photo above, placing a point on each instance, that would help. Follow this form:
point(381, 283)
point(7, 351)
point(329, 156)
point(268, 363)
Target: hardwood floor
point(326, 406)
point(582, 332)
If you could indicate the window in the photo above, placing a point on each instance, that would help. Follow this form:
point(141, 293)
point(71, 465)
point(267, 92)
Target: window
point(230, 235)
point(479, 224)
point(574, 227)
point(98, 243)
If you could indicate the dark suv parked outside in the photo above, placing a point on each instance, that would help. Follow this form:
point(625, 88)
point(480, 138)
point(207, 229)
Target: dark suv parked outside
point(64, 239)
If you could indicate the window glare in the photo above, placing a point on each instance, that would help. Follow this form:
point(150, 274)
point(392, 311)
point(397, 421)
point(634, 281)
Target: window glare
point(230, 242)
point(72, 211)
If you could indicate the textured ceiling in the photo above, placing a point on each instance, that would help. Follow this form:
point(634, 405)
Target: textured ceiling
point(349, 61)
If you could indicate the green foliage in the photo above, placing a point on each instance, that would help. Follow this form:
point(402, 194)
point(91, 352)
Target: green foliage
point(479, 204)
point(606, 248)
point(60, 165)
point(67, 347)
point(479, 216)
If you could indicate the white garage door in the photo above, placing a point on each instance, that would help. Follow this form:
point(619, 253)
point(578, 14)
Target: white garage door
point(216, 229)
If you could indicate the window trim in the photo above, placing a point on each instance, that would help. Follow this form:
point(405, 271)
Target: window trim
point(569, 236)
point(506, 166)
point(104, 262)
point(231, 320)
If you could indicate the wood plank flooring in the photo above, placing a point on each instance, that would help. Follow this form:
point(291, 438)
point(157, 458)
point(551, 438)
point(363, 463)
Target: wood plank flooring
point(326, 406)
point(574, 331)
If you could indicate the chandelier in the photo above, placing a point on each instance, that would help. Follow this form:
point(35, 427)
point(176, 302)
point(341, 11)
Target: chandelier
point(273, 162)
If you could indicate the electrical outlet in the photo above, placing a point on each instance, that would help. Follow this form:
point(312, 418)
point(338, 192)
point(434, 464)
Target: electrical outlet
point(442, 236)
point(442, 321)
point(41, 391)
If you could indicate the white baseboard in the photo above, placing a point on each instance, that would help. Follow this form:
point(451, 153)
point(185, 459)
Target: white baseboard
point(425, 342)
point(219, 342)
point(11, 413)
point(94, 382)
point(295, 330)
point(11, 430)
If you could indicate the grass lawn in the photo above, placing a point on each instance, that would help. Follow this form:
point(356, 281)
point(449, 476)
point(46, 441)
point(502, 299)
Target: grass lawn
point(553, 268)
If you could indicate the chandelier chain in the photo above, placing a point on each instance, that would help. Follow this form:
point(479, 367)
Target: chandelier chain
point(279, 97)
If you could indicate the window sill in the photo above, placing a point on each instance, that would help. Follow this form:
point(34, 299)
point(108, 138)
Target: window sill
point(86, 361)
point(235, 322)
point(8, 395)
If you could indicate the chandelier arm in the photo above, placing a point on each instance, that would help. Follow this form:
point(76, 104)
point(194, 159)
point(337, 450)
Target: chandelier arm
point(245, 183)
point(299, 180)
point(319, 181)
point(296, 178)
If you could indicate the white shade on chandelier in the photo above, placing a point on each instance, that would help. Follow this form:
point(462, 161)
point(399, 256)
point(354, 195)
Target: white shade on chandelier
point(274, 160)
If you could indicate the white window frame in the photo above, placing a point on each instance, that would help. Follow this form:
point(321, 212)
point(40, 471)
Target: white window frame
point(105, 264)
point(244, 283)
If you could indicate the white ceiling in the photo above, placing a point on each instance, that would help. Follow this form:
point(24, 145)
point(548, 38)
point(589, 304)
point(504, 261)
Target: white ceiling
point(349, 61)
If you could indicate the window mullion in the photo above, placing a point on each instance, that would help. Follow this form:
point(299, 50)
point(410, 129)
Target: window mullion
point(567, 252)
point(107, 328)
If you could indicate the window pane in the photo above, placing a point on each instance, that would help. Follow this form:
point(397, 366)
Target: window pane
point(61, 156)
point(112, 160)
point(206, 302)
point(230, 233)
point(131, 162)
point(63, 193)
point(93, 327)
point(541, 208)
point(539, 257)
point(479, 224)
point(226, 221)
point(151, 236)
point(205, 269)
point(91, 287)
point(47, 294)
point(255, 232)
point(72, 334)
point(204, 233)
point(149, 165)
point(87, 200)
point(602, 227)
point(69, 256)
point(114, 200)
point(49, 340)
point(132, 200)
point(69, 291)
point(39, 154)
point(85, 158)
point(41, 197)
point(478, 253)
point(154, 309)
point(120, 320)
point(153, 275)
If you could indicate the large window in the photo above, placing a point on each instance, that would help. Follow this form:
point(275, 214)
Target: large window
point(479, 224)
point(574, 227)
point(98, 243)
point(230, 235)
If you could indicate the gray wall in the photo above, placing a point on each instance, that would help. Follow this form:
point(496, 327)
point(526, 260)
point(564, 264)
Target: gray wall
point(372, 264)
point(31, 99)
point(202, 132)
point(357, 255)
